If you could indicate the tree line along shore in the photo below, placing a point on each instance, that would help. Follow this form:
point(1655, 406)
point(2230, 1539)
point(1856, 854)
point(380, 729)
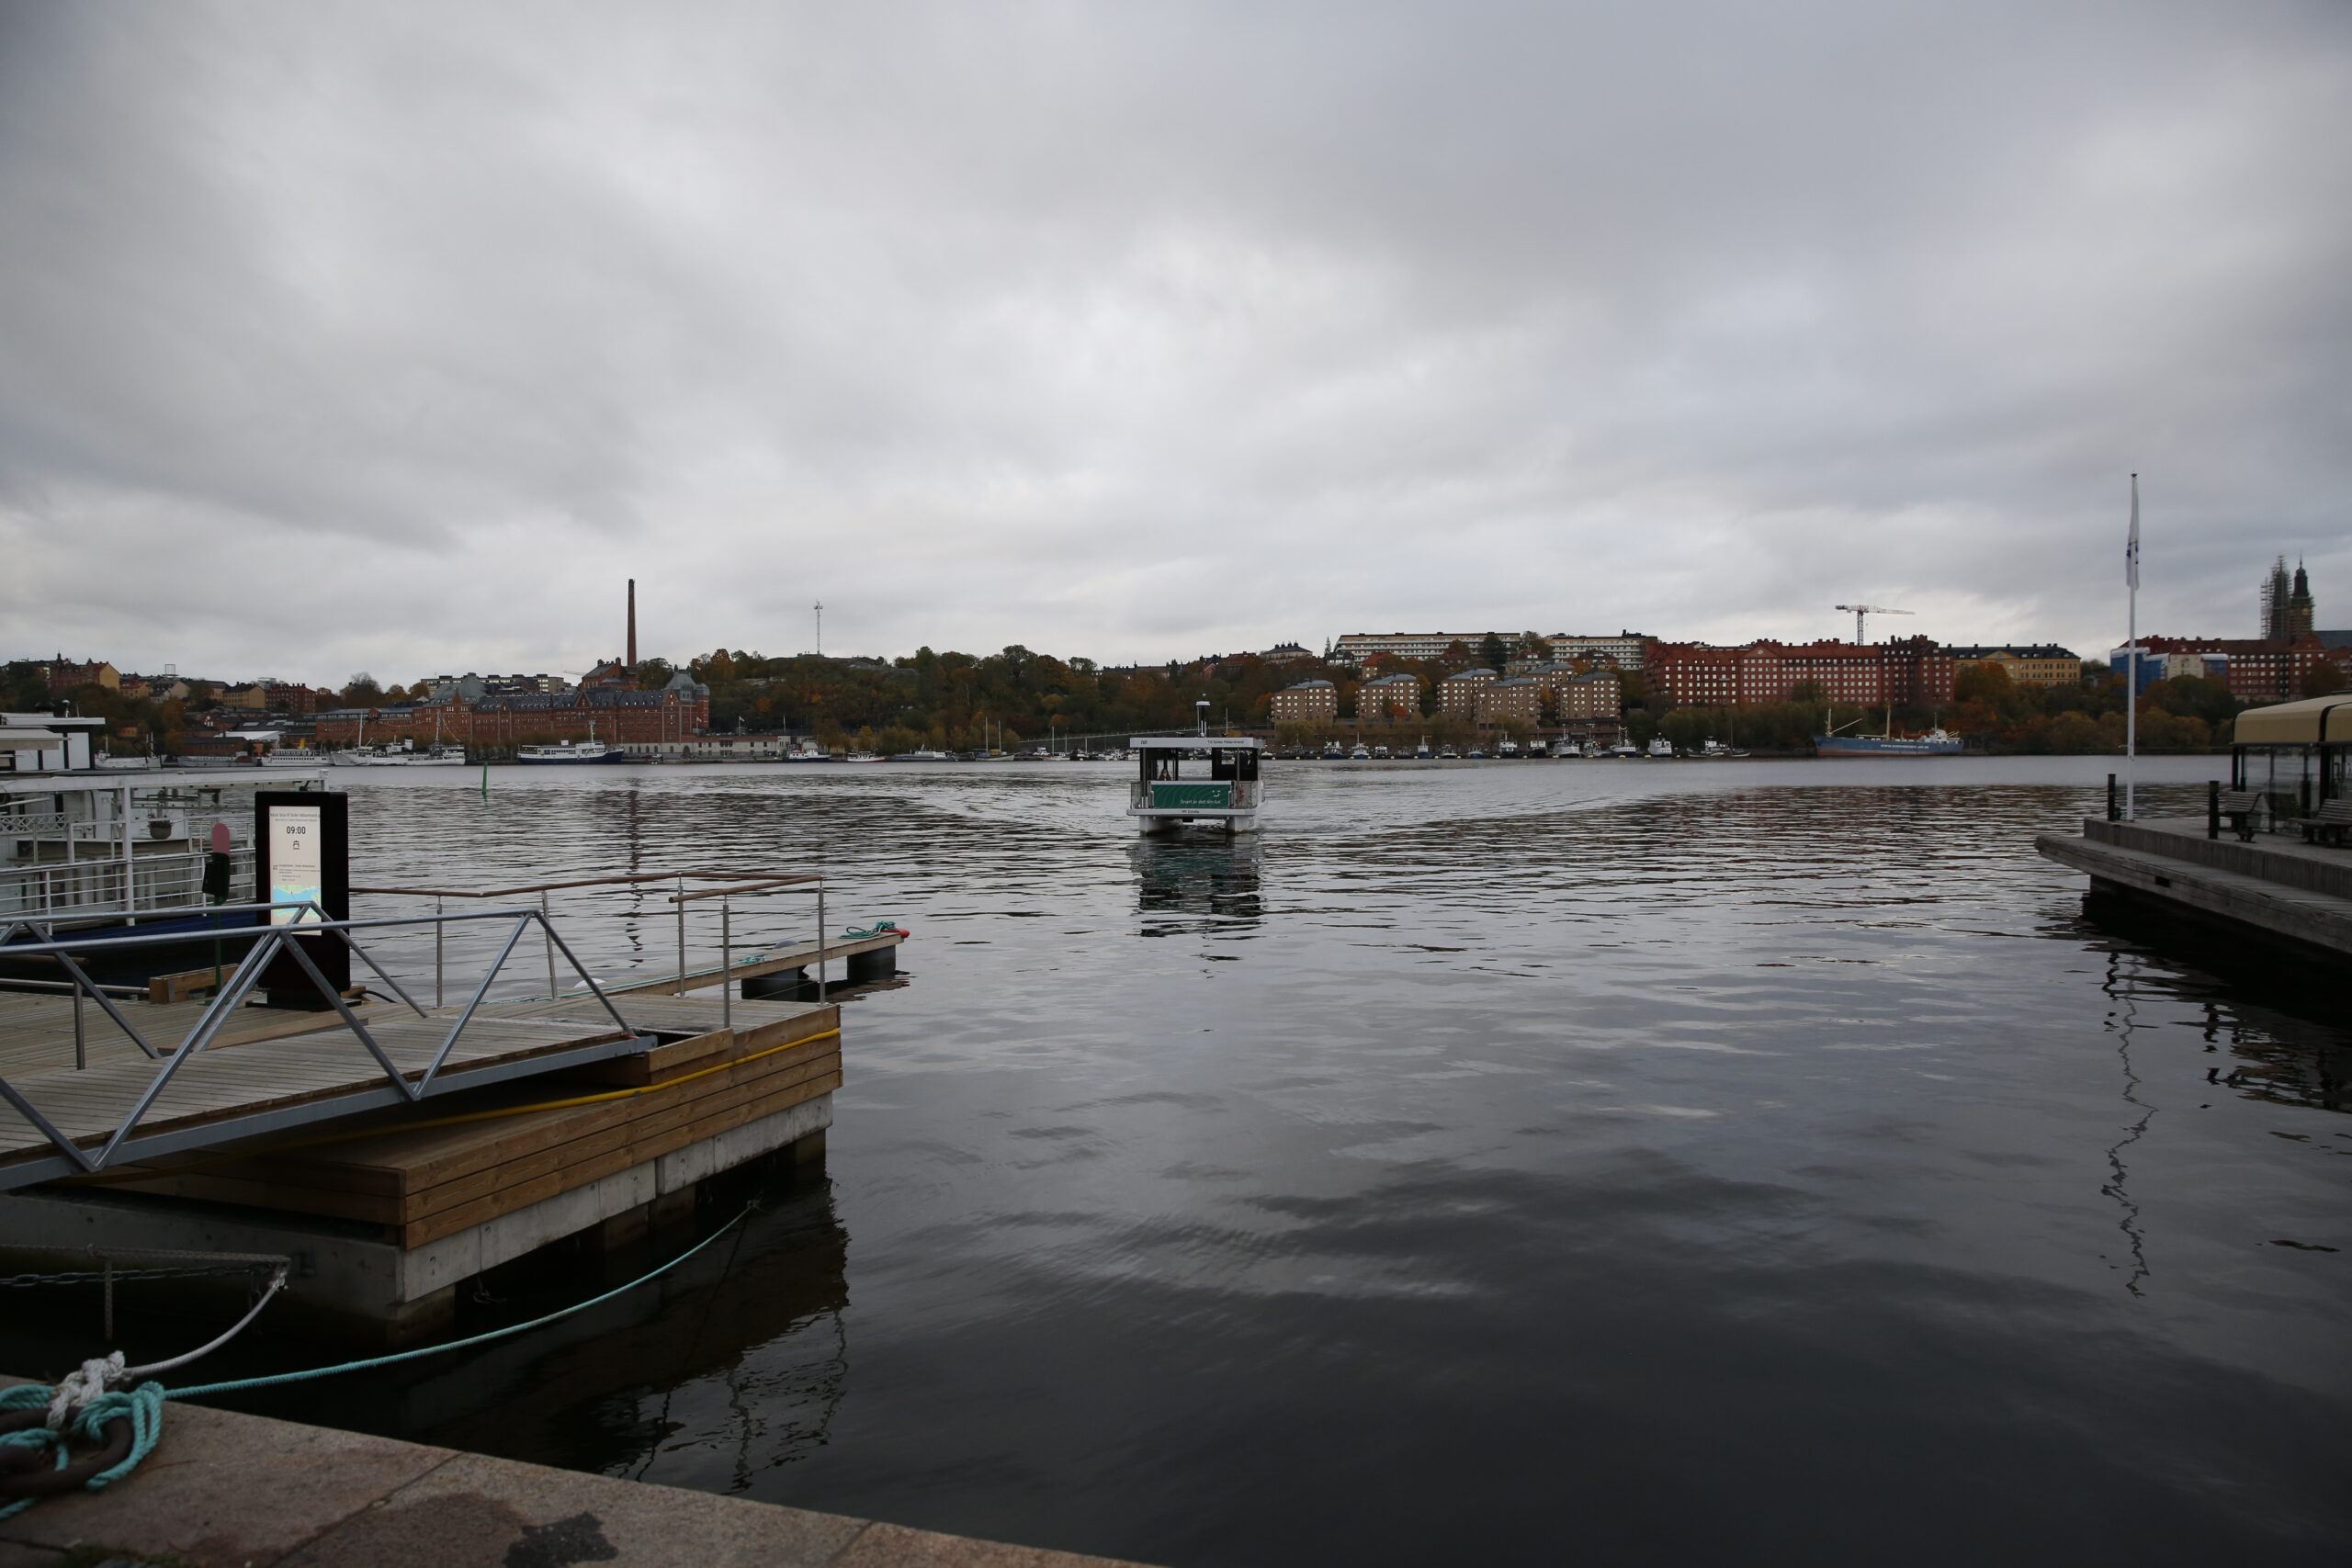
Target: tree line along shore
point(978, 702)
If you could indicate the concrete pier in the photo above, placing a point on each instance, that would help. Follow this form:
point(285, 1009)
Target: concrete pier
point(2285, 893)
point(225, 1490)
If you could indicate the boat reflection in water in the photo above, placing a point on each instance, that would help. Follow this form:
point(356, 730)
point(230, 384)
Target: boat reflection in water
point(1214, 881)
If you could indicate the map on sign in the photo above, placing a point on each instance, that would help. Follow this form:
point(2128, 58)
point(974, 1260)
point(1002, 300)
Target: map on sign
point(296, 859)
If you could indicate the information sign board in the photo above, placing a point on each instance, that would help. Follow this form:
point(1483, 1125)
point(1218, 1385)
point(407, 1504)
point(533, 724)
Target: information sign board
point(1217, 796)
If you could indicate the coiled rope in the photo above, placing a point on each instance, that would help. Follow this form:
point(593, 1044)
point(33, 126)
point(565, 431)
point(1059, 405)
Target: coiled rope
point(37, 1421)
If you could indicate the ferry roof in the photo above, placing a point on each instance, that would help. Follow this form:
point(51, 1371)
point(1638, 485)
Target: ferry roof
point(1196, 743)
point(2307, 723)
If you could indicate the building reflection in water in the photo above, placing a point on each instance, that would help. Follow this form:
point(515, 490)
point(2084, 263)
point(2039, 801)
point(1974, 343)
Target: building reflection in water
point(1198, 887)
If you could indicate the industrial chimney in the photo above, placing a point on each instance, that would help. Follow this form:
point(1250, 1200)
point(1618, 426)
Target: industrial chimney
point(632, 622)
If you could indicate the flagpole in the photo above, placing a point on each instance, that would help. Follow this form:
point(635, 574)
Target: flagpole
point(2131, 661)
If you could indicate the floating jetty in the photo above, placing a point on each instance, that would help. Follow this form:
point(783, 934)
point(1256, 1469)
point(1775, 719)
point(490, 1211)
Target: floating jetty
point(392, 1149)
point(2265, 861)
point(2278, 890)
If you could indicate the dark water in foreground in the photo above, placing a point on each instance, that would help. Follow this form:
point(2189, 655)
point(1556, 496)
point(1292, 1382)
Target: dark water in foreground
point(1607, 1162)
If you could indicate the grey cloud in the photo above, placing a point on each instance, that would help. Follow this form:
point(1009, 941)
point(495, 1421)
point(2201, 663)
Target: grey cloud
point(1139, 330)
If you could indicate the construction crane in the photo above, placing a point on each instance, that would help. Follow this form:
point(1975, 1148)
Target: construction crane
point(1860, 611)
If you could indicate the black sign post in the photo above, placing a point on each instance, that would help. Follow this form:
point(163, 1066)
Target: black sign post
point(302, 856)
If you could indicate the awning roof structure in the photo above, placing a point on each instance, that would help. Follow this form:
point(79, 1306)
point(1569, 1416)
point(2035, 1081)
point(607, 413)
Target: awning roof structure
point(1195, 743)
point(2307, 723)
point(29, 740)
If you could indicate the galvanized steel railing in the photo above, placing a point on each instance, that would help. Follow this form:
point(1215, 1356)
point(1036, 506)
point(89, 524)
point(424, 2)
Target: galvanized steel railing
point(268, 942)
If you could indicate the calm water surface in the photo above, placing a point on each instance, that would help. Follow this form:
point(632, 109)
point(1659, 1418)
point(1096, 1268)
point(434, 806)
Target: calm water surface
point(1519, 1163)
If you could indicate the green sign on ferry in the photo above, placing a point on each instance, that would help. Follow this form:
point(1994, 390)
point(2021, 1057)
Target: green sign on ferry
point(1217, 796)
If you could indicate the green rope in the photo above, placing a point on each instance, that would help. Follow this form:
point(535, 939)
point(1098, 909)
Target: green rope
point(204, 1391)
point(886, 926)
point(143, 1405)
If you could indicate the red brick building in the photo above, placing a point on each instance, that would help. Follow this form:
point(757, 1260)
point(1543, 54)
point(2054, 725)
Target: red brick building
point(1515, 700)
point(677, 712)
point(1696, 675)
point(1388, 698)
point(1457, 695)
point(2261, 670)
point(1309, 702)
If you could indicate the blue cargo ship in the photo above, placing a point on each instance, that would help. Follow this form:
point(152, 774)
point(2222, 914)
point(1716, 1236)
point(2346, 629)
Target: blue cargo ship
point(1935, 743)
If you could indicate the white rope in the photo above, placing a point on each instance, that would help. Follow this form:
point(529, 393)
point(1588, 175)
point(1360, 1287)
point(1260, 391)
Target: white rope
point(78, 1388)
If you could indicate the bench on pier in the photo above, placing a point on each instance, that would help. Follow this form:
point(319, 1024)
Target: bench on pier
point(2239, 812)
point(2326, 825)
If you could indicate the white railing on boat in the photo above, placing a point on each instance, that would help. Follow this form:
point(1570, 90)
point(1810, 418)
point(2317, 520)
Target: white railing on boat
point(143, 882)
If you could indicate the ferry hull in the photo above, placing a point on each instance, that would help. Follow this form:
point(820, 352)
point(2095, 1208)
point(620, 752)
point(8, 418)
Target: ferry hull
point(1882, 746)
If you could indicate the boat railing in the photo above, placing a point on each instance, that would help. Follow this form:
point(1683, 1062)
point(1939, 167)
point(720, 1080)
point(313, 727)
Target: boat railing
point(294, 941)
point(142, 882)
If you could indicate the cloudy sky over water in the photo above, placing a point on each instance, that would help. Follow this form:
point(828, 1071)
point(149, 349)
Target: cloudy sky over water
point(395, 336)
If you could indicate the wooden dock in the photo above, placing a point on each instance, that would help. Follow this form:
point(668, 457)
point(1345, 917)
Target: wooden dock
point(485, 1154)
point(264, 1085)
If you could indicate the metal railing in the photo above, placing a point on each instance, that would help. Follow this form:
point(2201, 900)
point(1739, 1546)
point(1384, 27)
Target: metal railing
point(269, 943)
point(721, 887)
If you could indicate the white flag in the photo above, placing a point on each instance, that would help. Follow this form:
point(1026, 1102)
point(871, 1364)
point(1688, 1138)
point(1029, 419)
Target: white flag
point(2131, 545)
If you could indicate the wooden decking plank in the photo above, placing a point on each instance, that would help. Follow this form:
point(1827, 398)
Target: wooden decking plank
point(576, 1161)
point(268, 1075)
point(450, 1222)
point(432, 1156)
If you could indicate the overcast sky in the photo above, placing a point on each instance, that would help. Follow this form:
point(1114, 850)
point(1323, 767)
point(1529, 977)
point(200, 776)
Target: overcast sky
point(395, 337)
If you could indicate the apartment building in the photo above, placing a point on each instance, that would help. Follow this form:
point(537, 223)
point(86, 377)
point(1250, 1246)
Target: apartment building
point(1458, 694)
point(1389, 699)
point(1308, 702)
point(1513, 700)
point(2038, 664)
point(1908, 670)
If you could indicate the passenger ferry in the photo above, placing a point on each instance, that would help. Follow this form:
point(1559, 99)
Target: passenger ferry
point(1223, 792)
point(574, 753)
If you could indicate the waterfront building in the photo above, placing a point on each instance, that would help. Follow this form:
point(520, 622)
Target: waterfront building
point(1458, 694)
point(1514, 699)
point(2035, 664)
point(1308, 702)
point(1389, 698)
point(1906, 670)
point(2257, 670)
point(465, 713)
